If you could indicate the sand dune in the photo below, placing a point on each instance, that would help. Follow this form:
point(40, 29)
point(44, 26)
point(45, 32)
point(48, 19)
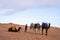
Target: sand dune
point(53, 34)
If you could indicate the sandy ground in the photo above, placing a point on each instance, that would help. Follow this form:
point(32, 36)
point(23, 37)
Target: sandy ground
point(53, 34)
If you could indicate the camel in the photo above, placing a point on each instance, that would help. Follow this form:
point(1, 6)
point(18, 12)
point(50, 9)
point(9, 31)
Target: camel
point(35, 26)
point(15, 30)
point(45, 26)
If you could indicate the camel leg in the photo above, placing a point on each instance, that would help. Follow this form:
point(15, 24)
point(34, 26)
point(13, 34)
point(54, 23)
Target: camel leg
point(39, 30)
point(34, 30)
point(16, 30)
point(42, 30)
point(19, 29)
point(46, 31)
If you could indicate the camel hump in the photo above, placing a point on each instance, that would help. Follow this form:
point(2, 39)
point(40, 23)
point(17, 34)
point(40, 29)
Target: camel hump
point(32, 24)
point(44, 24)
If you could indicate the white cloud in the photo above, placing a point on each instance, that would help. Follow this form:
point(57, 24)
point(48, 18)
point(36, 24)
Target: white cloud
point(6, 11)
point(24, 4)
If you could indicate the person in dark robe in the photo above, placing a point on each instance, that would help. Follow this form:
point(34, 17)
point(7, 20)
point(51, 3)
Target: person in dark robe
point(26, 27)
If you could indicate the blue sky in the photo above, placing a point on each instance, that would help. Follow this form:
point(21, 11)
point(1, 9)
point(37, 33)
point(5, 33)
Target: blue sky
point(25, 12)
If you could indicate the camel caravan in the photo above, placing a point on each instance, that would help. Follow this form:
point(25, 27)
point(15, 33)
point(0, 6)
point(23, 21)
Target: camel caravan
point(33, 26)
point(45, 26)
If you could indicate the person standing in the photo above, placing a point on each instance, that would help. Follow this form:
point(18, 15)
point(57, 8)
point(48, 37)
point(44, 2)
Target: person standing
point(26, 27)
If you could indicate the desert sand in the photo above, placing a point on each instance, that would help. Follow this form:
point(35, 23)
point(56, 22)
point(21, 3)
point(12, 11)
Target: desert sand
point(53, 34)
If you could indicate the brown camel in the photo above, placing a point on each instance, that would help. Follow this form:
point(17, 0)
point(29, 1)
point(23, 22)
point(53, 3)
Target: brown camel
point(35, 26)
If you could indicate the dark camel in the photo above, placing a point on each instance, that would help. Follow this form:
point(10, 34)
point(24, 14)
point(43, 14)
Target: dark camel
point(45, 26)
